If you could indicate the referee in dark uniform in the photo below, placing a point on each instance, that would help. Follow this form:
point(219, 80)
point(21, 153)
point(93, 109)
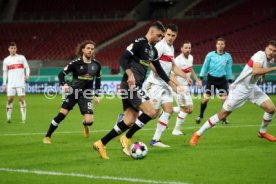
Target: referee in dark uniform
point(85, 71)
point(138, 57)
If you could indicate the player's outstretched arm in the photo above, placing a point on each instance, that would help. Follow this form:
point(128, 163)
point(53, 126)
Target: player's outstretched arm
point(259, 70)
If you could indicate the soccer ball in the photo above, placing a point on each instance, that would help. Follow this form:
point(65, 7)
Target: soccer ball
point(138, 150)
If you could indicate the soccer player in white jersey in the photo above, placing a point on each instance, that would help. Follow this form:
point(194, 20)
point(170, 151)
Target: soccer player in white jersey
point(159, 92)
point(184, 100)
point(16, 70)
point(245, 88)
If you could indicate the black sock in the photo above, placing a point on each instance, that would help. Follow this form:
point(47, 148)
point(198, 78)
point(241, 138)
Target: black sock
point(143, 118)
point(56, 120)
point(202, 109)
point(51, 129)
point(113, 133)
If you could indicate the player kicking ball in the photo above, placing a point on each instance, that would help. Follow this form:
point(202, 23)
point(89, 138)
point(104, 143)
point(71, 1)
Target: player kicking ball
point(245, 88)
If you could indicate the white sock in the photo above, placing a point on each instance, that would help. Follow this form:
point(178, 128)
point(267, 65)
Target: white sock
point(161, 125)
point(180, 120)
point(208, 124)
point(9, 110)
point(176, 109)
point(266, 121)
point(23, 109)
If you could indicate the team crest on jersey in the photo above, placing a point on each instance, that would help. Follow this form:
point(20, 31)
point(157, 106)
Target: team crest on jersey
point(81, 67)
point(150, 53)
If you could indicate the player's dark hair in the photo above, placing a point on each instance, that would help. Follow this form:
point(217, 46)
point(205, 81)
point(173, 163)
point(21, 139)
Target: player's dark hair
point(186, 42)
point(172, 27)
point(82, 45)
point(271, 42)
point(158, 25)
point(220, 39)
point(11, 44)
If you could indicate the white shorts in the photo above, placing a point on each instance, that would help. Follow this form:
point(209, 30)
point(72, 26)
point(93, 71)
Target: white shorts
point(183, 99)
point(159, 95)
point(12, 91)
point(238, 96)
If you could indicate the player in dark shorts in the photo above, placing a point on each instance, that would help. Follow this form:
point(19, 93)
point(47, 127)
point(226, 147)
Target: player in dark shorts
point(218, 66)
point(85, 70)
point(138, 57)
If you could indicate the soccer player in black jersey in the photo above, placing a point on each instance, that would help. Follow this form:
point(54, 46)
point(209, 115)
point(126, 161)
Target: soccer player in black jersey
point(85, 70)
point(138, 57)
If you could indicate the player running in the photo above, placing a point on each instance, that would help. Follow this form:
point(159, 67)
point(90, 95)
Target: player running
point(85, 70)
point(139, 55)
point(245, 88)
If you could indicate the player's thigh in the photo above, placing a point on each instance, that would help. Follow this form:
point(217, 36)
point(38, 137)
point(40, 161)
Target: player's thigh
point(222, 88)
point(147, 108)
point(210, 88)
point(11, 91)
point(20, 91)
point(261, 99)
point(69, 102)
point(155, 95)
point(85, 105)
point(236, 98)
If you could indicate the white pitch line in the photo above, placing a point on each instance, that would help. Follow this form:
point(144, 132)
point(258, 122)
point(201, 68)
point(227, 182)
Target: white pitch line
point(90, 176)
point(144, 129)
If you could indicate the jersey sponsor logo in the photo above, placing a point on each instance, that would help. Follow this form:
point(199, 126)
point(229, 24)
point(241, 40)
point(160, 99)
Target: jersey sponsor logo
point(166, 58)
point(86, 77)
point(15, 66)
point(250, 63)
point(187, 70)
point(145, 62)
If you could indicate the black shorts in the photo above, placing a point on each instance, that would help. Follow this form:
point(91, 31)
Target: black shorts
point(219, 83)
point(85, 104)
point(132, 98)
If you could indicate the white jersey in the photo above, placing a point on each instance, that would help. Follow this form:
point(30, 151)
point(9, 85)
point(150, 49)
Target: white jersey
point(246, 79)
point(15, 66)
point(166, 57)
point(186, 65)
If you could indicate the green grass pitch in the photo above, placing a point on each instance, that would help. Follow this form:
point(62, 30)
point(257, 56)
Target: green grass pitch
point(225, 154)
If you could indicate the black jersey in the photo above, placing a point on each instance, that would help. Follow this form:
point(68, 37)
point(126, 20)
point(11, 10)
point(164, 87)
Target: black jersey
point(83, 73)
point(142, 55)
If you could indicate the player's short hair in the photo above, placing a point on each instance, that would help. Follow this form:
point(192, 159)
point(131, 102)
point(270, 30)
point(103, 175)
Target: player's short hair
point(158, 25)
point(82, 45)
point(271, 42)
point(186, 42)
point(220, 39)
point(172, 27)
point(11, 44)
